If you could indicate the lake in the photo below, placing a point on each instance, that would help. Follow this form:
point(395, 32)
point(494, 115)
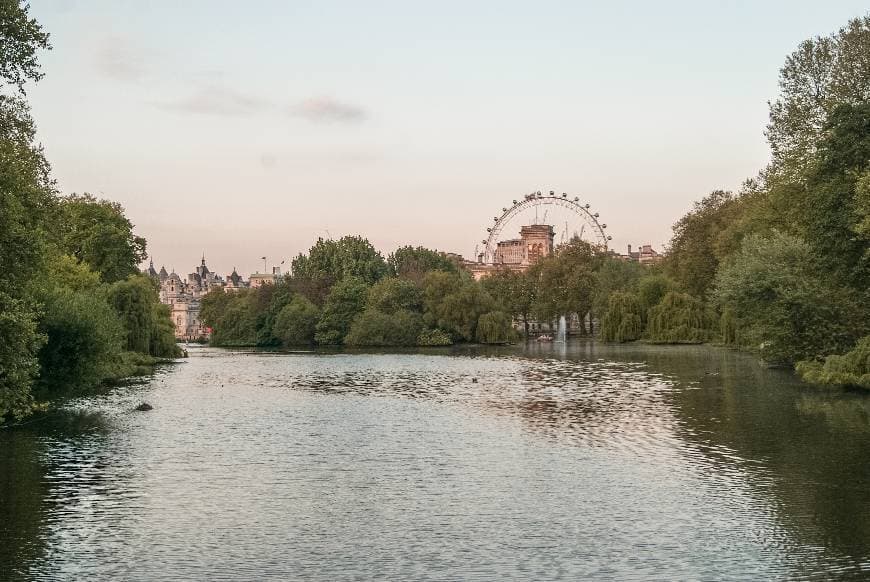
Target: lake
point(539, 462)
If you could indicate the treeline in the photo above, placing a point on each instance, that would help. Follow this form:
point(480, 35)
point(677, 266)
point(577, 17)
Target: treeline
point(343, 292)
point(782, 268)
point(74, 310)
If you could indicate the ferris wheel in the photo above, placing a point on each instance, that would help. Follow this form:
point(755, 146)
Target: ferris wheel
point(568, 216)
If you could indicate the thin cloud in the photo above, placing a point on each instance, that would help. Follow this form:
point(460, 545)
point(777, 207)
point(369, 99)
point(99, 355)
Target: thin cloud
point(216, 100)
point(327, 110)
point(117, 59)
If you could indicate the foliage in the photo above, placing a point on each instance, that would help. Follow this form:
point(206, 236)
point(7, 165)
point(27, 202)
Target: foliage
point(84, 339)
point(728, 327)
point(495, 327)
point(349, 256)
point(19, 342)
point(566, 280)
point(454, 303)
point(434, 337)
point(414, 262)
point(614, 275)
point(376, 328)
point(513, 292)
point(296, 322)
point(650, 291)
point(344, 302)
point(849, 369)
point(784, 306)
point(97, 232)
point(826, 209)
point(25, 198)
point(822, 74)
point(693, 254)
point(393, 294)
point(20, 38)
point(680, 318)
point(622, 318)
point(147, 324)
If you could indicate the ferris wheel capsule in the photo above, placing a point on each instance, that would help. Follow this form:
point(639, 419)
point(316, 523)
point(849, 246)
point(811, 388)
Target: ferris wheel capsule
point(587, 206)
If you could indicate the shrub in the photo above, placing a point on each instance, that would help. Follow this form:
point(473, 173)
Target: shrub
point(849, 369)
point(434, 337)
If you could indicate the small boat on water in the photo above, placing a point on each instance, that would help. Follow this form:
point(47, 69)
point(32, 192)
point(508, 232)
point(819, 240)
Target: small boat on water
point(545, 338)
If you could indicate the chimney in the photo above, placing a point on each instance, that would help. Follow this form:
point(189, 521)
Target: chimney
point(629, 250)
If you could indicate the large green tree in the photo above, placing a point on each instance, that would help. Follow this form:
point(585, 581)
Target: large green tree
point(345, 301)
point(333, 260)
point(26, 196)
point(414, 262)
point(784, 306)
point(821, 75)
point(98, 233)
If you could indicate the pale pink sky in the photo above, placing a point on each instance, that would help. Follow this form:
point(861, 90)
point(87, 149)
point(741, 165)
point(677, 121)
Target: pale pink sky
point(250, 129)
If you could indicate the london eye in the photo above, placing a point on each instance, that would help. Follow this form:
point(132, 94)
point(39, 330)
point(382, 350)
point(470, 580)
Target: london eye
point(569, 217)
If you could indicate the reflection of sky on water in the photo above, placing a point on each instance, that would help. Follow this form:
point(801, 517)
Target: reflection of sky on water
point(554, 461)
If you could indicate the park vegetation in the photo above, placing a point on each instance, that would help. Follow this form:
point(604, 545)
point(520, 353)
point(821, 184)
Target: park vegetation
point(74, 311)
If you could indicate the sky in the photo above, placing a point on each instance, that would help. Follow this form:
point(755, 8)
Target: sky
point(249, 129)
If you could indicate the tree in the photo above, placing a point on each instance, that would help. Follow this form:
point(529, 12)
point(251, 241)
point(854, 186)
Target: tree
point(296, 323)
point(784, 307)
point(393, 294)
point(622, 318)
point(495, 327)
point(19, 343)
point(133, 300)
point(344, 302)
point(680, 318)
point(614, 275)
point(414, 262)
point(692, 258)
point(513, 292)
point(350, 256)
point(651, 290)
point(20, 38)
point(454, 303)
point(376, 328)
point(84, 339)
point(820, 75)
point(826, 208)
point(97, 232)
point(566, 280)
point(26, 196)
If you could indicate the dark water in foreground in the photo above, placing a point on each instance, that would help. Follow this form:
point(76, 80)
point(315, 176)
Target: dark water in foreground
point(585, 462)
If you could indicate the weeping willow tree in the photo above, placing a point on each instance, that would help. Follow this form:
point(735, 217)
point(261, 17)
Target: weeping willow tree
point(680, 318)
point(622, 319)
point(728, 327)
point(495, 328)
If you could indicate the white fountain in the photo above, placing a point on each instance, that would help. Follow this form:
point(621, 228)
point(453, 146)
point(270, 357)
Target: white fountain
point(560, 334)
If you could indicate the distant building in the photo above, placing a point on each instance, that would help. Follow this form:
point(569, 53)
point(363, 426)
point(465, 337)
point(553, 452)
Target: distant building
point(645, 255)
point(234, 282)
point(535, 243)
point(259, 279)
point(183, 297)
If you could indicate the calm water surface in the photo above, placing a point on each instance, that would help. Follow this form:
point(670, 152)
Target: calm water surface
point(577, 462)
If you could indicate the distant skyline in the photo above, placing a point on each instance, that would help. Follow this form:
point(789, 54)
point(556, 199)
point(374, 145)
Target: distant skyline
point(240, 130)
